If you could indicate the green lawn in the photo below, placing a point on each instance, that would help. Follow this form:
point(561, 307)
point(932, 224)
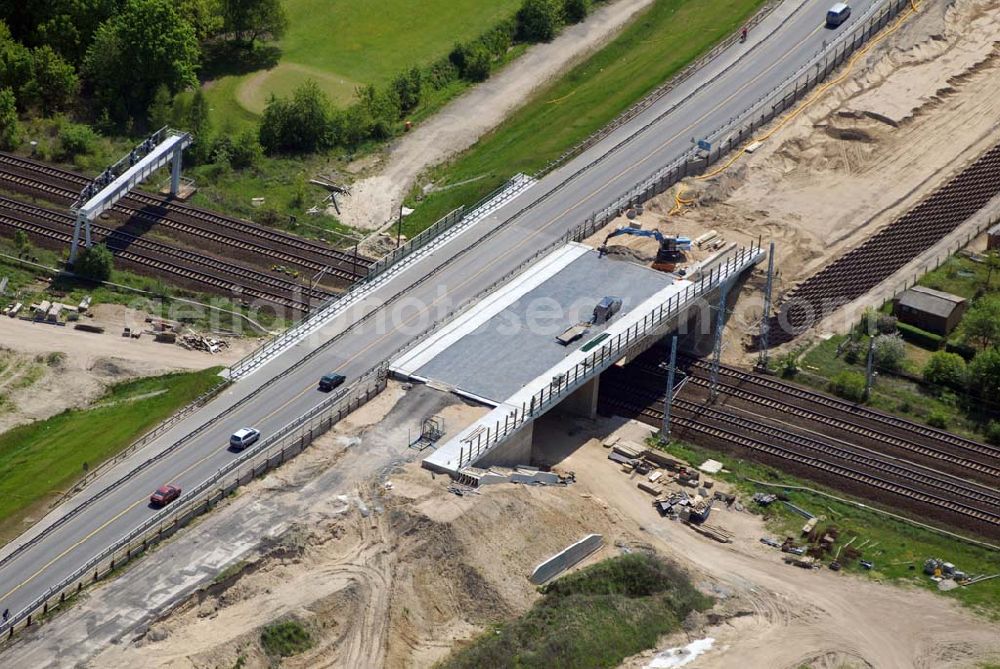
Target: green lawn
point(657, 45)
point(42, 459)
point(342, 44)
point(898, 549)
point(593, 618)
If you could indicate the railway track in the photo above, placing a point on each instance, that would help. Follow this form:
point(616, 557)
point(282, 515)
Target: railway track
point(55, 228)
point(858, 457)
point(815, 413)
point(887, 421)
point(863, 268)
point(63, 186)
point(823, 458)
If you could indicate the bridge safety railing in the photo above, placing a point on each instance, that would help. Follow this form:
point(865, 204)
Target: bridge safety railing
point(652, 324)
point(440, 232)
point(271, 452)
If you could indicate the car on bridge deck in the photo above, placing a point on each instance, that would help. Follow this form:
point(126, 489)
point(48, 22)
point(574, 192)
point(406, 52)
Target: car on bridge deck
point(164, 495)
point(243, 437)
point(330, 381)
point(837, 14)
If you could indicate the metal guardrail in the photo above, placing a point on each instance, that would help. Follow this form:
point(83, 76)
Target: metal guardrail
point(654, 185)
point(276, 449)
point(652, 97)
point(142, 441)
point(609, 352)
point(320, 316)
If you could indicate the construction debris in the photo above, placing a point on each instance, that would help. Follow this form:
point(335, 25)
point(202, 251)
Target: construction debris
point(198, 342)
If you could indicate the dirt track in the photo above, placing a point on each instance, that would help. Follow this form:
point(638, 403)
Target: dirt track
point(916, 110)
point(407, 570)
point(375, 199)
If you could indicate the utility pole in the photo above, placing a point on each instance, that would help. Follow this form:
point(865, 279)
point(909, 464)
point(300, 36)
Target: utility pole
point(765, 319)
point(669, 399)
point(720, 324)
point(399, 226)
point(870, 367)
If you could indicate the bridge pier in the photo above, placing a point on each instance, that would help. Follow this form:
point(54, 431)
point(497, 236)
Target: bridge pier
point(175, 172)
point(583, 401)
point(517, 450)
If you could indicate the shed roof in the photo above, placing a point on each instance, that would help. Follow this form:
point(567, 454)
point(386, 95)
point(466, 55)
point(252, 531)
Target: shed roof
point(930, 301)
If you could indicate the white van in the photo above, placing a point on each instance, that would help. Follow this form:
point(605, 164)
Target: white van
point(243, 438)
point(837, 15)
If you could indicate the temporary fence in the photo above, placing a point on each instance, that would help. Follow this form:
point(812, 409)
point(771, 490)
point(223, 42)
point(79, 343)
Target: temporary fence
point(273, 451)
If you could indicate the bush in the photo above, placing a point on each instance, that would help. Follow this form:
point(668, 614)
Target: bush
point(938, 418)
point(849, 385)
point(477, 63)
point(299, 124)
point(239, 152)
point(890, 352)
point(918, 337)
point(76, 140)
point(993, 432)
point(984, 374)
point(945, 369)
point(853, 352)
point(285, 639)
point(408, 86)
point(539, 20)
point(886, 324)
point(576, 10)
point(10, 127)
point(95, 263)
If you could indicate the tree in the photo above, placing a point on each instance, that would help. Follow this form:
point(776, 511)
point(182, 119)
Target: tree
point(76, 139)
point(984, 374)
point(21, 242)
point(200, 127)
point(945, 369)
point(539, 20)
point(992, 259)
point(205, 16)
point(95, 263)
point(849, 385)
point(890, 351)
point(300, 124)
point(576, 10)
point(67, 26)
point(982, 322)
point(54, 83)
point(408, 87)
point(248, 20)
point(161, 108)
point(10, 127)
point(136, 51)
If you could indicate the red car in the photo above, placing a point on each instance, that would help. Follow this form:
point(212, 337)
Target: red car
point(165, 495)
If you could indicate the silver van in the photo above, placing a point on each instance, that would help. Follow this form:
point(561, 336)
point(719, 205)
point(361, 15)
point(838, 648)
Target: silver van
point(837, 15)
point(243, 437)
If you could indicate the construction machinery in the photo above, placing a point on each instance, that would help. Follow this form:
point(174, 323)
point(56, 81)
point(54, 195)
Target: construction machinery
point(670, 253)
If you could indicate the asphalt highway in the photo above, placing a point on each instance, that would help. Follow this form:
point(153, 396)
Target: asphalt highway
point(776, 49)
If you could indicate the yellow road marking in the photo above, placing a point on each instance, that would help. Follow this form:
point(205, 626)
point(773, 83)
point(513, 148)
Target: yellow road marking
point(423, 310)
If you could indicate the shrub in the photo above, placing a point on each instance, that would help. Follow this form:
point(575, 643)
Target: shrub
point(576, 10)
point(993, 432)
point(408, 86)
point(477, 63)
point(984, 374)
point(890, 352)
point(299, 124)
point(853, 352)
point(242, 151)
point(919, 337)
point(285, 639)
point(945, 369)
point(539, 20)
point(10, 127)
point(886, 324)
point(76, 139)
point(849, 385)
point(95, 263)
point(938, 418)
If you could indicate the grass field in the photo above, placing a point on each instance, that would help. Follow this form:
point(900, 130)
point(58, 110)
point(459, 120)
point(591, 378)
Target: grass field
point(344, 44)
point(593, 618)
point(42, 459)
point(898, 549)
point(657, 45)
